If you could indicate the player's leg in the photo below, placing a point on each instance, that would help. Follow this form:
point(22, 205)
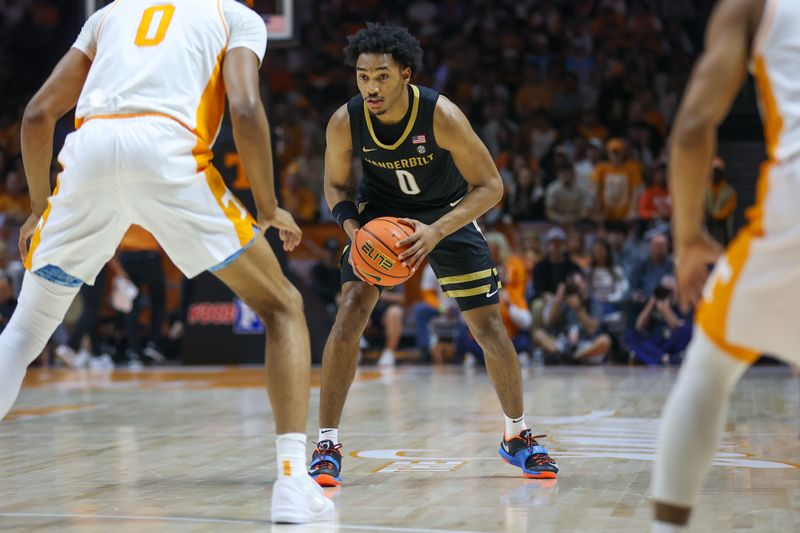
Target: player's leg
point(519, 446)
point(256, 277)
point(41, 307)
point(61, 256)
point(202, 226)
point(253, 273)
point(464, 268)
point(76, 236)
point(502, 364)
point(339, 362)
point(690, 426)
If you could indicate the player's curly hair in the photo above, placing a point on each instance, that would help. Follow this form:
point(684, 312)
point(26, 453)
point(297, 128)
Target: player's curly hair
point(385, 39)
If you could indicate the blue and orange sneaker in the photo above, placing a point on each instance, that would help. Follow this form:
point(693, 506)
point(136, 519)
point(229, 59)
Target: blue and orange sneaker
point(326, 464)
point(525, 452)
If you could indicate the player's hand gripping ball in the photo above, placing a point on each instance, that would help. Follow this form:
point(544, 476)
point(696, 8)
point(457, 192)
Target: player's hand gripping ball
point(374, 252)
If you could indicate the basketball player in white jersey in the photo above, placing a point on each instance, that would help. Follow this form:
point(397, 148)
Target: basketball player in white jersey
point(149, 79)
point(749, 304)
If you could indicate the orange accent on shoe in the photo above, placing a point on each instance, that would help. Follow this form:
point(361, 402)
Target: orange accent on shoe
point(541, 475)
point(324, 480)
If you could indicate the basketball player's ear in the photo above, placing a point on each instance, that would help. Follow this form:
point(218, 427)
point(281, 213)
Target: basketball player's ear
point(406, 74)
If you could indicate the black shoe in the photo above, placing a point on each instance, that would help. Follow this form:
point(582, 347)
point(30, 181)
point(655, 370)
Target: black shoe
point(524, 451)
point(326, 464)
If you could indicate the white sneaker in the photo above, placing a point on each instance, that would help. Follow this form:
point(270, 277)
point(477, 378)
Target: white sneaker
point(386, 359)
point(66, 354)
point(82, 359)
point(102, 362)
point(299, 500)
point(470, 360)
point(153, 353)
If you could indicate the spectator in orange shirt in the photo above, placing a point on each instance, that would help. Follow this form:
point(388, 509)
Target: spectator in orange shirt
point(139, 255)
point(619, 183)
point(720, 204)
point(655, 204)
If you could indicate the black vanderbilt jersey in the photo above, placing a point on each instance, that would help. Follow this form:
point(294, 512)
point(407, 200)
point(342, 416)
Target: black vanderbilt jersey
point(411, 173)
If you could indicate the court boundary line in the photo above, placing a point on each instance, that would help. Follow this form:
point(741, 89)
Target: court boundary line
point(232, 521)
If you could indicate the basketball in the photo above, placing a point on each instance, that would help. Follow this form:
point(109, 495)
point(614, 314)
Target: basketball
point(375, 253)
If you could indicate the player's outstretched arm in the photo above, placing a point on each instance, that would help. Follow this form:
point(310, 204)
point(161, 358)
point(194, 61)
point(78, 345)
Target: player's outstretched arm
point(250, 126)
point(338, 160)
point(251, 135)
point(715, 82)
point(56, 97)
point(455, 134)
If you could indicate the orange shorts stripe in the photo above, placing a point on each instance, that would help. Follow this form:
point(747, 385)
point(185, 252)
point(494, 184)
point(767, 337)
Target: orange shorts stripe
point(234, 211)
point(712, 314)
point(37, 235)
point(80, 121)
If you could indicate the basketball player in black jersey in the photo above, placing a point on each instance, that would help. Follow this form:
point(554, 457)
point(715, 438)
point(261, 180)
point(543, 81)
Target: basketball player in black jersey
point(423, 162)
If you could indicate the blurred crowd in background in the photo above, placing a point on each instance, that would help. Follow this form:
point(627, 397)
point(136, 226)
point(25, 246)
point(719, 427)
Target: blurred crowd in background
point(574, 100)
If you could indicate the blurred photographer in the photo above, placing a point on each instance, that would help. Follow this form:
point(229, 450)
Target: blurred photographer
point(661, 333)
point(570, 333)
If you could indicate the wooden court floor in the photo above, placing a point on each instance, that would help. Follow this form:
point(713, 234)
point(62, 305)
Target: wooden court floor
point(191, 449)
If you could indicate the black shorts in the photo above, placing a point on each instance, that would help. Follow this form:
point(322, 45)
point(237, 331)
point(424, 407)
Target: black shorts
point(461, 261)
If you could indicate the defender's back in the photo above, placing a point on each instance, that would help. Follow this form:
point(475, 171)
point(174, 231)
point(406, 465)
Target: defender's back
point(152, 57)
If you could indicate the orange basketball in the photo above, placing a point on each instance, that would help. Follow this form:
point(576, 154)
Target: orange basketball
point(375, 253)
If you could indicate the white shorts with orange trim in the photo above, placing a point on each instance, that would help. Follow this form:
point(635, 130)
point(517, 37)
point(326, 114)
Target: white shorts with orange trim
point(137, 170)
point(751, 301)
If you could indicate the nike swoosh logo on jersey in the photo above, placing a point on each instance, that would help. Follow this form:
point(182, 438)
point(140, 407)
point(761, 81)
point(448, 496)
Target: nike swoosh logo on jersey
point(489, 295)
point(365, 149)
point(453, 204)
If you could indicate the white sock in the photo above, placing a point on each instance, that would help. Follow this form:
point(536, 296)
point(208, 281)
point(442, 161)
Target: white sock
point(329, 434)
point(40, 309)
point(291, 451)
point(666, 527)
point(515, 426)
point(692, 420)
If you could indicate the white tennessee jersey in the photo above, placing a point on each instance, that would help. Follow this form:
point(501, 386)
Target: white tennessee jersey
point(775, 65)
point(164, 58)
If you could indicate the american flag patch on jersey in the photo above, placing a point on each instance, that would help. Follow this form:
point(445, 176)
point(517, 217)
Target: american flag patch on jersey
point(418, 139)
